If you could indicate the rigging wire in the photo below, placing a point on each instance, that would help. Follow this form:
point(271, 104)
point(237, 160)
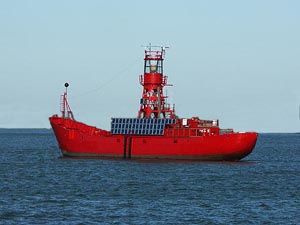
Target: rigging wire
point(116, 75)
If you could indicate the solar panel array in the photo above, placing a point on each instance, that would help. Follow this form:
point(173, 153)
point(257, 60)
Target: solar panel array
point(137, 126)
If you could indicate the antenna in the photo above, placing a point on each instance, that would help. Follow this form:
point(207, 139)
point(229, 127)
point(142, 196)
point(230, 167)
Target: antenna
point(150, 46)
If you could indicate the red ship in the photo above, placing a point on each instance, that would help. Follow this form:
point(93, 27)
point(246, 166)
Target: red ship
point(156, 133)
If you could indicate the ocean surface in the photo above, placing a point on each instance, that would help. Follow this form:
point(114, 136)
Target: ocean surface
point(38, 186)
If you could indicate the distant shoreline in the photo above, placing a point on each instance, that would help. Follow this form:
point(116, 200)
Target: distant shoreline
point(25, 128)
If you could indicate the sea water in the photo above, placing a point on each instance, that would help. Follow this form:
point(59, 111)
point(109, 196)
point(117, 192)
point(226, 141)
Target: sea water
point(38, 186)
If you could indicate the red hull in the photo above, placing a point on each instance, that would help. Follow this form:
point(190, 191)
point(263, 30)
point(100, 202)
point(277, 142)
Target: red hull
point(80, 140)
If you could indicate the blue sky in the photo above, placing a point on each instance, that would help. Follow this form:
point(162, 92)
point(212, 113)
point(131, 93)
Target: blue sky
point(237, 61)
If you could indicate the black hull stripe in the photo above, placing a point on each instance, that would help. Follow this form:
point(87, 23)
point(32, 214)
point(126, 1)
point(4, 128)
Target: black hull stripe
point(230, 157)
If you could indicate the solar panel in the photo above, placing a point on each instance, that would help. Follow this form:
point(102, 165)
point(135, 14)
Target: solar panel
point(137, 126)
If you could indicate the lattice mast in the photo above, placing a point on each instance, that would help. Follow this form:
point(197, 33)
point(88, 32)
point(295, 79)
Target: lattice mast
point(153, 102)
